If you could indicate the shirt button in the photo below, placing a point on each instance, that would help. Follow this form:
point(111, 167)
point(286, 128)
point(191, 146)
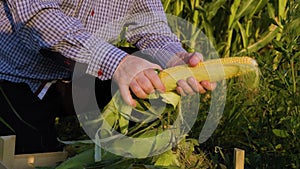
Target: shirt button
point(92, 13)
point(100, 73)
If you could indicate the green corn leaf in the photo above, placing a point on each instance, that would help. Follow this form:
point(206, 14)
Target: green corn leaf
point(282, 10)
point(262, 42)
point(243, 34)
point(166, 4)
point(188, 4)
point(234, 8)
point(167, 159)
point(171, 98)
point(213, 8)
point(130, 147)
point(260, 5)
point(178, 9)
point(280, 133)
point(245, 8)
point(271, 10)
point(79, 161)
point(123, 124)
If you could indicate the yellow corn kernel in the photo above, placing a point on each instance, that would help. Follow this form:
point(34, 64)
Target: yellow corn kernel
point(212, 70)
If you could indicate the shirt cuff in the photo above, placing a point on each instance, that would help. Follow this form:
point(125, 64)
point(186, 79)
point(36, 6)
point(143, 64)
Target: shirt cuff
point(105, 60)
point(164, 51)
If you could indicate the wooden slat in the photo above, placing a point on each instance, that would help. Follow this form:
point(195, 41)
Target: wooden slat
point(30, 161)
point(239, 158)
point(8, 159)
point(7, 150)
point(3, 166)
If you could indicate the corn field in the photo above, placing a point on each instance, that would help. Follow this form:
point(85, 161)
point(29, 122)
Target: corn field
point(264, 122)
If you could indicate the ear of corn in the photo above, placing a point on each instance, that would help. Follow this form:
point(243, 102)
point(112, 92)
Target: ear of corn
point(117, 111)
point(213, 70)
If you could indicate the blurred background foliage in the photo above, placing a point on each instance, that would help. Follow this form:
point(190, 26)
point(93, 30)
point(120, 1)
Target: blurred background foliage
point(264, 122)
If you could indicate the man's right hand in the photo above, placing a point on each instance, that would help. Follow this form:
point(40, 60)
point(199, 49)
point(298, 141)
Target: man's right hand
point(139, 76)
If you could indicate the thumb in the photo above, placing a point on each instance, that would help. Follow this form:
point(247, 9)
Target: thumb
point(195, 59)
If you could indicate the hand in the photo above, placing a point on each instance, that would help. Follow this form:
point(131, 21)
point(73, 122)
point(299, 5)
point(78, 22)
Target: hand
point(138, 75)
point(191, 85)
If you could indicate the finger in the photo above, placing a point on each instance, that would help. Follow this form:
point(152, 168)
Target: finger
point(195, 59)
point(155, 80)
point(126, 95)
point(208, 86)
point(144, 83)
point(180, 91)
point(137, 90)
point(186, 87)
point(201, 89)
point(194, 84)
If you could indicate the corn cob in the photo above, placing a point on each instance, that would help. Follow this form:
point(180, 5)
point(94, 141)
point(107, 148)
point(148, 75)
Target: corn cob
point(212, 70)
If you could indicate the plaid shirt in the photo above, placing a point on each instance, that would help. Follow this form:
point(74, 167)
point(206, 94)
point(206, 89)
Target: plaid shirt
point(81, 30)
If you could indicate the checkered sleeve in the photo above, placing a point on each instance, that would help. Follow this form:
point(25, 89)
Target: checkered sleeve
point(150, 32)
point(42, 24)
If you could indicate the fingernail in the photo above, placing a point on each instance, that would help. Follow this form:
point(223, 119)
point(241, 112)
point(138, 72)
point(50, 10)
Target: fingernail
point(194, 60)
point(206, 84)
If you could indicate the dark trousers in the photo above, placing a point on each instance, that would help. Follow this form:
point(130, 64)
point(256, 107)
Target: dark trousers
point(32, 120)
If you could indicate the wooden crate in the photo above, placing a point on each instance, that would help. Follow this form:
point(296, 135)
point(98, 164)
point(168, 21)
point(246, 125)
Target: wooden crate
point(9, 160)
